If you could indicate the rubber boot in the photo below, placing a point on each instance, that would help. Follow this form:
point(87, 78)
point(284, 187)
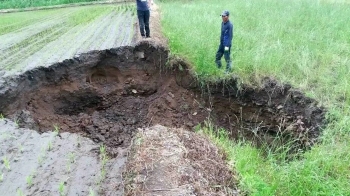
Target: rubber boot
point(228, 66)
point(218, 64)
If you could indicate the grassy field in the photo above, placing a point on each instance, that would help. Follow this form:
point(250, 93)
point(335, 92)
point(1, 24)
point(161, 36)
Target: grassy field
point(9, 4)
point(305, 43)
point(43, 37)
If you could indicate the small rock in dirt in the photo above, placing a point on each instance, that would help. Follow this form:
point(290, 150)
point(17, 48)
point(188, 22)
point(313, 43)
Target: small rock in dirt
point(195, 113)
point(290, 127)
point(171, 102)
point(190, 124)
point(172, 95)
point(279, 107)
point(119, 113)
point(90, 129)
point(134, 91)
point(99, 137)
point(131, 121)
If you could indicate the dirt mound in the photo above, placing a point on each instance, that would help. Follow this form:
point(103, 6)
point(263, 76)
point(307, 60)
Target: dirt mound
point(166, 161)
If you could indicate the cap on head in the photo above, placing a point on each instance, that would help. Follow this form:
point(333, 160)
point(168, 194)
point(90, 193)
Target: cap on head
point(225, 13)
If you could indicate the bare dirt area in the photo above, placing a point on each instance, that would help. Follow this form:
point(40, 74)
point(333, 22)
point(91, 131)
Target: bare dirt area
point(55, 163)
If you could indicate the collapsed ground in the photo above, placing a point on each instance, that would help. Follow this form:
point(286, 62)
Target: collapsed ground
point(107, 94)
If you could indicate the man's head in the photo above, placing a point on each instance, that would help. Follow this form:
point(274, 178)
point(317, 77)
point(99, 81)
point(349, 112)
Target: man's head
point(225, 15)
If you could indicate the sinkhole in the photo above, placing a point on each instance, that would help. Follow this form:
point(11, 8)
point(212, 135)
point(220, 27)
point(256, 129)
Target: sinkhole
point(106, 95)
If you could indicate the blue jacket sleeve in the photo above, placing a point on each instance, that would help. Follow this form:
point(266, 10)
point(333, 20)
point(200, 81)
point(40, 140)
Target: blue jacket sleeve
point(228, 37)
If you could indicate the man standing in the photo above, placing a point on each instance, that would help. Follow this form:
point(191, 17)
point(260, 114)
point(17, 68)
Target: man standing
point(225, 41)
point(143, 14)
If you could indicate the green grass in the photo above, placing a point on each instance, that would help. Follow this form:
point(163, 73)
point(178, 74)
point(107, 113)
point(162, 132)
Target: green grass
point(6, 163)
point(305, 43)
point(85, 16)
point(61, 188)
point(11, 22)
point(16, 4)
point(324, 170)
point(7, 4)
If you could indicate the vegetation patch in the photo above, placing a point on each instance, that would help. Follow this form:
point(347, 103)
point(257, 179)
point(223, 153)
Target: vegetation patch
point(303, 43)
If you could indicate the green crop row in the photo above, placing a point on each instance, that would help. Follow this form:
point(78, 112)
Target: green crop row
point(11, 4)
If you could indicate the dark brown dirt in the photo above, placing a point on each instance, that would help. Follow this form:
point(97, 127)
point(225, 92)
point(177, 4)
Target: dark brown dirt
point(107, 94)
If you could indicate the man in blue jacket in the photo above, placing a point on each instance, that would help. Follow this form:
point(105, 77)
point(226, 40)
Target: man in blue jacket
point(225, 41)
point(143, 14)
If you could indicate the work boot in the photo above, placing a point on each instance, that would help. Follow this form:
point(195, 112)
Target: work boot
point(218, 64)
point(228, 67)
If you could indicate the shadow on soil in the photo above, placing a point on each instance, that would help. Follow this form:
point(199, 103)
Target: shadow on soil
point(108, 94)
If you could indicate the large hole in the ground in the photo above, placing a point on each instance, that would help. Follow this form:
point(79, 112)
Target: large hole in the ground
point(107, 95)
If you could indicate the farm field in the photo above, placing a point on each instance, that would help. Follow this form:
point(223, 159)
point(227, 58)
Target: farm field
point(87, 107)
point(55, 163)
point(41, 38)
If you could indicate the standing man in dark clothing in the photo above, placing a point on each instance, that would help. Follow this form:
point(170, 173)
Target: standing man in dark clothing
point(225, 41)
point(143, 14)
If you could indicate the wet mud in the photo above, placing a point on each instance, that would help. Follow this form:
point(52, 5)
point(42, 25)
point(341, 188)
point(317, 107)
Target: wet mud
point(106, 95)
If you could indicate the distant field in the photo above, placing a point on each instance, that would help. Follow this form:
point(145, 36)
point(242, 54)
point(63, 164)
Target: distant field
point(40, 38)
point(9, 4)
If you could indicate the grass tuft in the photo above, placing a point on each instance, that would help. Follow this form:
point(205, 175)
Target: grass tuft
point(61, 188)
point(6, 162)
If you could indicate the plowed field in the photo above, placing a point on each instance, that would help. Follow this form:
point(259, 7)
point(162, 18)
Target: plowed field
point(41, 38)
